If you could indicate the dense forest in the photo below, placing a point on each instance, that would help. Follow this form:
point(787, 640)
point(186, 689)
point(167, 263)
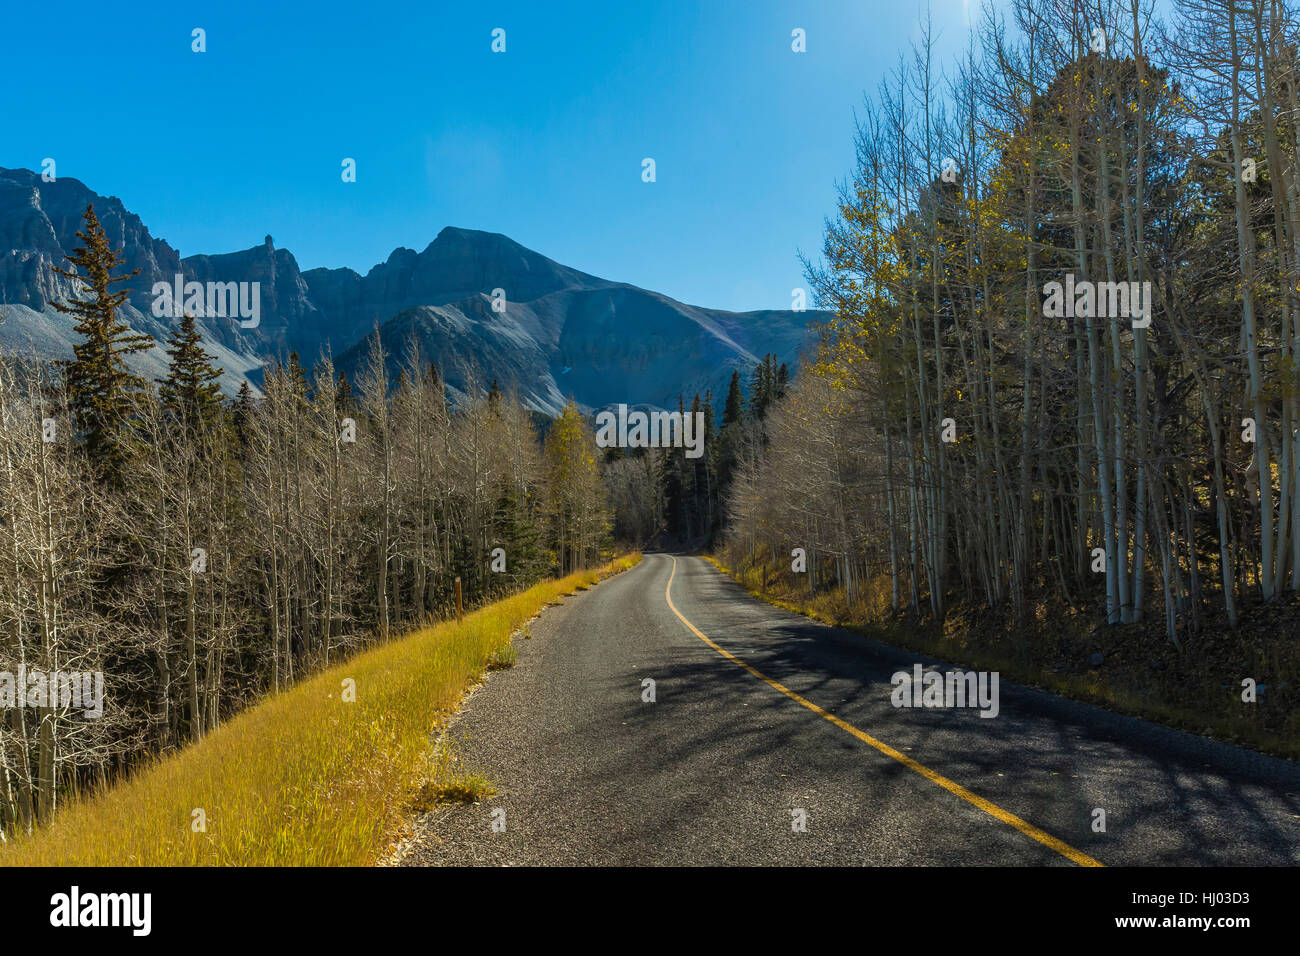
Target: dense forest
point(201, 552)
point(661, 496)
point(963, 436)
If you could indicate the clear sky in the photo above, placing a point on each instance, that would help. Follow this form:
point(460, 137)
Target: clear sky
point(544, 142)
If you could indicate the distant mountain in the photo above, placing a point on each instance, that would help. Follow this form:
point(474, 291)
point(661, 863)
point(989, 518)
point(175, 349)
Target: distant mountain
point(561, 332)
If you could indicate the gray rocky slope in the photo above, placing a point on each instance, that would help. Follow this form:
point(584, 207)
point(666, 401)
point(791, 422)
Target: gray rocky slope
point(562, 332)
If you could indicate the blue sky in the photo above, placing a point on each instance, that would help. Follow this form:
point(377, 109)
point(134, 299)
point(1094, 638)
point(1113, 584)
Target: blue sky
point(543, 142)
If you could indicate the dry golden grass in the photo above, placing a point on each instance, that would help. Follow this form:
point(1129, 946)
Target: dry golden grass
point(302, 778)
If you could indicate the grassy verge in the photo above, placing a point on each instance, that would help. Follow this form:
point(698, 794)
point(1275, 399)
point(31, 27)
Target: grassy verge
point(304, 778)
point(1137, 671)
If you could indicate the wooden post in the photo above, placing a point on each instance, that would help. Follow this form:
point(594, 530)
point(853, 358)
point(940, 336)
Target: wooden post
point(460, 610)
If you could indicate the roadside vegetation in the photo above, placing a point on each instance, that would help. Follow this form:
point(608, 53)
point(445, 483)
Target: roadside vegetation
point(194, 553)
point(1197, 689)
point(307, 777)
point(1054, 427)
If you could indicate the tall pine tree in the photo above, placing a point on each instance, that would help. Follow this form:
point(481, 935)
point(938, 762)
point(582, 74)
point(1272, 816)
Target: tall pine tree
point(190, 390)
point(734, 407)
point(99, 385)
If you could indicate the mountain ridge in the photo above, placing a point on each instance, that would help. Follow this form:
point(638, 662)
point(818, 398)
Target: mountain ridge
point(555, 331)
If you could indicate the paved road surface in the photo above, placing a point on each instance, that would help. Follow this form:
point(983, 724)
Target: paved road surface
point(711, 771)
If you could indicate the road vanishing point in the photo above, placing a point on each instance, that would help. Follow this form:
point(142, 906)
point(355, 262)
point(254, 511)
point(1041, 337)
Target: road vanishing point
point(760, 713)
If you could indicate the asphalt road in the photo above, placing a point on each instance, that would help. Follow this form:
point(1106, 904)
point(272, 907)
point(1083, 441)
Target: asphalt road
point(712, 771)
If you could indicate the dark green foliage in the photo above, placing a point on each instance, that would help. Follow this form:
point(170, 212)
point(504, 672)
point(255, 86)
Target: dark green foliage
point(190, 390)
point(100, 387)
point(734, 408)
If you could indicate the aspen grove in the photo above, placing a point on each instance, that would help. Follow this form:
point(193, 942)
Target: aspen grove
point(964, 436)
point(200, 552)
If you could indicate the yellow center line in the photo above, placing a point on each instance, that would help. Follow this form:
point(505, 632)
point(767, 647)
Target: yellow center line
point(992, 809)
